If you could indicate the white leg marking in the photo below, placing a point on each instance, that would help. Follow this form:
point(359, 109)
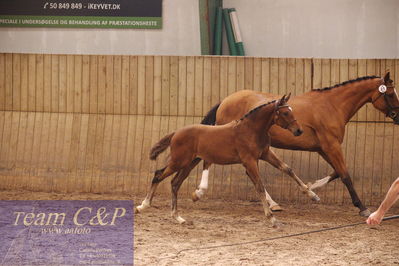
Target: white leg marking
point(273, 220)
point(177, 217)
point(269, 199)
point(203, 185)
point(306, 189)
point(145, 204)
point(313, 196)
point(180, 220)
point(320, 183)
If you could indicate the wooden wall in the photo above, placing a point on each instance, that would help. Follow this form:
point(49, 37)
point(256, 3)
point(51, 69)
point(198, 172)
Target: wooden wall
point(73, 123)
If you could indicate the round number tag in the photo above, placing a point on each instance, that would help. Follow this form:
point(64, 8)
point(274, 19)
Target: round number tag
point(382, 88)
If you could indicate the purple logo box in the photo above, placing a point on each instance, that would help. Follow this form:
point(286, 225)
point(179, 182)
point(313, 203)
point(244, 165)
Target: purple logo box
point(66, 232)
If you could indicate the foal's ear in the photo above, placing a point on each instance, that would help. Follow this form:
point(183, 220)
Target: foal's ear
point(288, 97)
point(282, 101)
point(387, 78)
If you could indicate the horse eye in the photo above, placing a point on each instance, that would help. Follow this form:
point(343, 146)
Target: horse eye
point(286, 114)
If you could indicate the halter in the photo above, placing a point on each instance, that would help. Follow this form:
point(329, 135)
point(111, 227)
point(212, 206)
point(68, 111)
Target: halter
point(391, 113)
point(286, 105)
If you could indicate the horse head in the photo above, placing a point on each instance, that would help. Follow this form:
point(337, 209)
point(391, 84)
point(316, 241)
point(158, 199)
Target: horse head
point(285, 117)
point(385, 99)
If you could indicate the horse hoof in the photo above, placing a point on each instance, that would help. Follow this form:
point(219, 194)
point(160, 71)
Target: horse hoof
point(276, 208)
point(194, 197)
point(365, 213)
point(136, 210)
point(315, 197)
point(276, 224)
point(180, 220)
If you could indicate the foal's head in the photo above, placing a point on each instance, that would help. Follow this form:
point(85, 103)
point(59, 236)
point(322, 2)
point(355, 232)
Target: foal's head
point(385, 99)
point(285, 118)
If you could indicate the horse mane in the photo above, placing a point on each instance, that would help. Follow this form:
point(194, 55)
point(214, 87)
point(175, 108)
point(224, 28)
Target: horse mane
point(346, 82)
point(256, 109)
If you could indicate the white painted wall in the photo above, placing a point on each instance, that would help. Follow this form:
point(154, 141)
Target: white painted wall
point(180, 35)
point(270, 28)
point(319, 28)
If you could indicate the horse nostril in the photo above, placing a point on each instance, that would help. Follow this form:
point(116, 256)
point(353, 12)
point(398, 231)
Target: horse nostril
point(298, 132)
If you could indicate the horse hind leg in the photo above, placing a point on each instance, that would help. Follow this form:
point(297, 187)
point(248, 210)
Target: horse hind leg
point(203, 186)
point(175, 185)
point(323, 181)
point(176, 182)
point(159, 175)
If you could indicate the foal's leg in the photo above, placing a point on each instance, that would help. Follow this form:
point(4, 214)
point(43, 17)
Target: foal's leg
point(198, 193)
point(253, 172)
point(176, 183)
point(272, 204)
point(272, 158)
point(159, 175)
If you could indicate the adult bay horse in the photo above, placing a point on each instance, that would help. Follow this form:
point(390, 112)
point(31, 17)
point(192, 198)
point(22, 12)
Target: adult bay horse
point(240, 141)
point(323, 114)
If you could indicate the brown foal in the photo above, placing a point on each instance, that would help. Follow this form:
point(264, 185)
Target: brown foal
point(240, 141)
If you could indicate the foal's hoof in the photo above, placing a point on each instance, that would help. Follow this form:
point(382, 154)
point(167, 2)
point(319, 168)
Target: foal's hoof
point(365, 213)
point(276, 223)
point(180, 220)
point(194, 197)
point(276, 208)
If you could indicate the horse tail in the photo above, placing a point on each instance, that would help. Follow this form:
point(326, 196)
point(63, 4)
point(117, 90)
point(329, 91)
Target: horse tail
point(210, 118)
point(161, 146)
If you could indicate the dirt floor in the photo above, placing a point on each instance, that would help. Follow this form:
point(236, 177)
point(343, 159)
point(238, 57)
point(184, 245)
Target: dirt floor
point(215, 222)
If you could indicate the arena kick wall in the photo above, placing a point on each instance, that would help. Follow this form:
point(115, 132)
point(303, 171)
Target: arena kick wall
point(85, 123)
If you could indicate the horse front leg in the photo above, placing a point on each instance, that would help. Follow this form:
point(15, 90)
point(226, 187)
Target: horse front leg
point(273, 206)
point(335, 158)
point(176, 182)
point(252, 169)
point(203, 186)
point(270, 157)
